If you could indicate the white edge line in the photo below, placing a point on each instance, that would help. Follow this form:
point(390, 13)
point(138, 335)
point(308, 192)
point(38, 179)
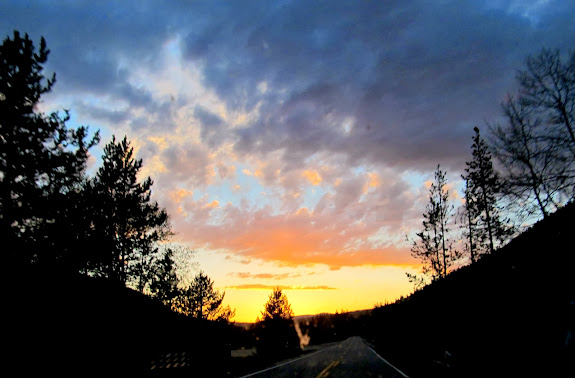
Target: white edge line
point(284, 363)
point(387, 362)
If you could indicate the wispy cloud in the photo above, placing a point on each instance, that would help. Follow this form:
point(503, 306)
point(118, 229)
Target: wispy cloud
point(267, 276)
point(282, 287)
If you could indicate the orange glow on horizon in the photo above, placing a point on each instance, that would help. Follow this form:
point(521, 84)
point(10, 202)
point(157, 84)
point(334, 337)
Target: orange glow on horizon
point(249, 302)
point(312, 292)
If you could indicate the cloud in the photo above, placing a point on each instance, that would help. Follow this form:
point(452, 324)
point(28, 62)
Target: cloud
point(346, 227)
point(312, 176)
point(212, 205)
point(212, 126)
point(405, 73)
point(282, 287)
point(411, 86)
point(328, 106)
point(267, 276)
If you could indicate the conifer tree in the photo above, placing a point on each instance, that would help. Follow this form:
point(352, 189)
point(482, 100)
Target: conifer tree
point(433, 245)
point(42, 162)
point(201, 301)
point(277, 306)
point(127, 224)
point(469, 221)
point(486, 230)
point(163, 278)
point(276, 329)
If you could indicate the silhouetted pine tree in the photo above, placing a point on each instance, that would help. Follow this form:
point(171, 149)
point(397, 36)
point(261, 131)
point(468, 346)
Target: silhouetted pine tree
point(485, 228)
point(277, 306)
point(42, 162)
point(162, 277)
point(201, 301)
point(276, 329)
point(434, 246)
point(127, 224)
point(469, 224)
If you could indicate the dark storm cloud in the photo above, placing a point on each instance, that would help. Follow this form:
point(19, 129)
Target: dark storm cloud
point(414, 76)
point(212, 127)
point(87, 37)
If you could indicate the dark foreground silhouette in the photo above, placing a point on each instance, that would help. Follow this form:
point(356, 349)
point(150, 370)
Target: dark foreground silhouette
point(84, 326)
point(510, 314)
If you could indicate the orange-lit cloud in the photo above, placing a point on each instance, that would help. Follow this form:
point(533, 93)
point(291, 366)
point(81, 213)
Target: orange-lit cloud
point(179, 194)
point(282, 287)
point(159, 141)
point(372, 182)
point(293, 239)
point(345, 227)
point(312, 176)
point(247, 172)
point(212, 205)
point(273, 276)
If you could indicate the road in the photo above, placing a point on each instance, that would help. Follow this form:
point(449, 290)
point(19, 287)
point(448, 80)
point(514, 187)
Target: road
point(350, 358)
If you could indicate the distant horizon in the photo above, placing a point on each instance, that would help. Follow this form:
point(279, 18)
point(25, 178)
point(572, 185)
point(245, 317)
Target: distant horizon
point(309, 316)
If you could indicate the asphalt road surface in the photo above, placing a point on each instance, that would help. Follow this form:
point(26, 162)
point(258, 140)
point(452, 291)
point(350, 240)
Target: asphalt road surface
point(350, 358)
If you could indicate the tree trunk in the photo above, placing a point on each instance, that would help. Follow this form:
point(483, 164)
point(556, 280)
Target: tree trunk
point(469, 220)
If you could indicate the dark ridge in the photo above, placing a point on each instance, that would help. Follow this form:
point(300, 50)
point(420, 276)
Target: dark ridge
point(510, 314)
point(76, 325)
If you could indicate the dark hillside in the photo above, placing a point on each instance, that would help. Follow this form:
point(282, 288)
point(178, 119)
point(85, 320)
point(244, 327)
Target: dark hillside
point(510, 314)
point(82, 326)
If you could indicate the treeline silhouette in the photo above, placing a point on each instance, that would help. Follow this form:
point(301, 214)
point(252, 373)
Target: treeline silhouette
point(532, 175)
point(511, 302)
point(80, 252)
point(53, 215)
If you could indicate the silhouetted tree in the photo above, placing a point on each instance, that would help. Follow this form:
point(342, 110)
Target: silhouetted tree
point(201, 301)
point(546, 88)
point(485, 229)
point(536, 145)
point(277, 306)
point(468, 219)
point(42, 162)
point(276, 331)
point(127, 224)
point(434, 246)
point(163, 279)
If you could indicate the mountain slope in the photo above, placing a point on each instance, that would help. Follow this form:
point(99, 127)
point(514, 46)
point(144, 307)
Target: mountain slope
point(509, 314)
point(76, 325)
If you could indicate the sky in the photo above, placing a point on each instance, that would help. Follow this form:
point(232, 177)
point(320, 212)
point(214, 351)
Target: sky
point(292, 142)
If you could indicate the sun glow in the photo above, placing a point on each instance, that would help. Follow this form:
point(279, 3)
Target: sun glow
point(377, 286)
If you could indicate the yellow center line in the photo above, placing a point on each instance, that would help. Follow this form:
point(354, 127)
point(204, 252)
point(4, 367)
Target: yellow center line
point(325, 372)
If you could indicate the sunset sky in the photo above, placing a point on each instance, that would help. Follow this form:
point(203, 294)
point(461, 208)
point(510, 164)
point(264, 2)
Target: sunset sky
point(291, 141)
